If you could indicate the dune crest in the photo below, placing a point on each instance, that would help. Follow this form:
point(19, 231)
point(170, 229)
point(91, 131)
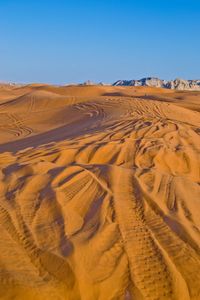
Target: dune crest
point(100, 190)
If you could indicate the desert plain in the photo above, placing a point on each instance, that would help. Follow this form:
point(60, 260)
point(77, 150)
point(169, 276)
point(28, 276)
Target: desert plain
point(99, 193)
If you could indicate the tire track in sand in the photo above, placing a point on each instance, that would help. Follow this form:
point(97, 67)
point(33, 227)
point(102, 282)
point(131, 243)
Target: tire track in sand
point(148, 268)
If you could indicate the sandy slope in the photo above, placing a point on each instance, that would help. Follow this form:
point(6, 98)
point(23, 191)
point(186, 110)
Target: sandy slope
point(100, 193)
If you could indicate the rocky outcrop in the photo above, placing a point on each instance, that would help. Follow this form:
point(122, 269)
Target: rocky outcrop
point(177, 84)
point(89, 82)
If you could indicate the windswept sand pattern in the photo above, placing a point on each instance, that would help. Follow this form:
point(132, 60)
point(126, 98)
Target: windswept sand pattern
point(99, 195)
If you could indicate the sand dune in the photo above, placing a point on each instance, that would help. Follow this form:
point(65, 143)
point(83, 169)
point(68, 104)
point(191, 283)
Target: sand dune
point(100, 193)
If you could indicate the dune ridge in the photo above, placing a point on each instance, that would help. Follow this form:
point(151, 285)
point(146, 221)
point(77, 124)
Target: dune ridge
point(100, 190)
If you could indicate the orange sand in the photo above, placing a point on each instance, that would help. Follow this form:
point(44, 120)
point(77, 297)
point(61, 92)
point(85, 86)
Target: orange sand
point(100, 193)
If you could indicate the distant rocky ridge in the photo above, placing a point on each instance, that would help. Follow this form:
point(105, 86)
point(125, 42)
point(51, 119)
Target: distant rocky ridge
point(89, 82)
point(177, 84)
point(2, 83)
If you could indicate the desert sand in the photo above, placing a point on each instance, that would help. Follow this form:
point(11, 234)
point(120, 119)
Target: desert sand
point(99, 193)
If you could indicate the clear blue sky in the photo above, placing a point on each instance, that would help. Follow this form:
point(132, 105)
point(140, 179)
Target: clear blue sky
point(101, 40)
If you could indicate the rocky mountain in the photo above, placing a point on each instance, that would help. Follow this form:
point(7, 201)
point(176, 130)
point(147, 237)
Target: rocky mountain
point(178, 84)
